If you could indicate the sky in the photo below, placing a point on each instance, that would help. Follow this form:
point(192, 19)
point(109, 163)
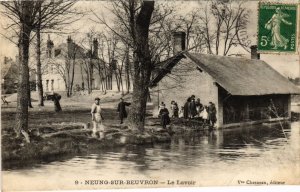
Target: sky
point(288, 65)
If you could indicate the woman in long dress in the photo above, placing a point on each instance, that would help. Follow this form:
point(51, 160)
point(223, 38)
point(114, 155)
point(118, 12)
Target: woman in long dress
point(164, 116)
point(186, 112)
point(273, 24)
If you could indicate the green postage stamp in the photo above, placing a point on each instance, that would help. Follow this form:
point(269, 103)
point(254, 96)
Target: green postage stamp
point(277, 27)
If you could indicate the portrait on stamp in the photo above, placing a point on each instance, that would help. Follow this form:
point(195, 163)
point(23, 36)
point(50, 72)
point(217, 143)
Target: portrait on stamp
point(277, 27)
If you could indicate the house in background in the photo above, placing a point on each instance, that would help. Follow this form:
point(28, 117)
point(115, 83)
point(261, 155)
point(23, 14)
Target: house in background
point(56, 71)
point(243, 90)
point(9, 76)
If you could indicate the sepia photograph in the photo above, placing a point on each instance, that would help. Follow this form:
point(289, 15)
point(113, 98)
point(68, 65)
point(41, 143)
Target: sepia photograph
point(149, 94)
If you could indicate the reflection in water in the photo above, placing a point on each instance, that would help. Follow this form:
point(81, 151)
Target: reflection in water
point(209, 154)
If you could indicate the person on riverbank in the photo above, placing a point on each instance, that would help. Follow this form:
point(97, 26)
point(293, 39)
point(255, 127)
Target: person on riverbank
point(212, 111)
point(97, 117)
point(181, 112)
point(186, 107)
point(199, 107)
point(164, 116)
point(193, 108)
point(159, 108)
point(56, 97)
point(122, 110)
point(204, 115)
point(174, 109)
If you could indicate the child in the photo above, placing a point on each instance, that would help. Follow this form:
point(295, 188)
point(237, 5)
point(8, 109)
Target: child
point(181, 112)
point(204, 115)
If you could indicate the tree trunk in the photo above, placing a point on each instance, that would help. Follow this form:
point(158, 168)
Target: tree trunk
point(100, 77)
point(142, 67)
point(90, 77)
point(29, 96)
point(121, 80)
point(23, 79)
point(39, 65)
point(72, 77)
point(127, 71)
point(118, 80)
point(68, 69)
point(105, 78)
point(82, 78)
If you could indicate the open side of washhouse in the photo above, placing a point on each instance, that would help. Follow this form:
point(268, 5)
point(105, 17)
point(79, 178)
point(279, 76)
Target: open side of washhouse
point(243, 90)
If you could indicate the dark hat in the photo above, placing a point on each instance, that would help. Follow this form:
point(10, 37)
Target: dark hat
point(97, 98)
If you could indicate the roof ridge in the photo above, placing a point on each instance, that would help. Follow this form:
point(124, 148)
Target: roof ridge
point(284, 85)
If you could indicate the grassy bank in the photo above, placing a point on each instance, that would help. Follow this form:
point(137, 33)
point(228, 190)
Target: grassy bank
point(70, 132)
point(58, 135)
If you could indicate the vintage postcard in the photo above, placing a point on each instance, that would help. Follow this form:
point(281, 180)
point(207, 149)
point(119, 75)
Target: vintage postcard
point(130, 94)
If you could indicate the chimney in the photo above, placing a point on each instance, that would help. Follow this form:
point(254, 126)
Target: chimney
point(95, 51)
point(70, 46)
point(178, 42)
point(254, 54)
point(50, 46)
point(5, 60)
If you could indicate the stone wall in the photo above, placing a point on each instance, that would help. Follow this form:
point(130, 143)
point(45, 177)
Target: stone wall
point(183, 81)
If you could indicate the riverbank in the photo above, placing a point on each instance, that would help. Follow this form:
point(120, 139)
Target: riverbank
point(54, 134)
point(69, 132)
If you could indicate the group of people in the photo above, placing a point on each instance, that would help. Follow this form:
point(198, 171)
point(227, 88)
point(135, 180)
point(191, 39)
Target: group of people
point(195, 109)
point(192, 109)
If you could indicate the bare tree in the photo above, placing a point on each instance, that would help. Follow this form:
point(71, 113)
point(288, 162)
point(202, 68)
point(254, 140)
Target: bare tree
point(88, 62)
point(127, 69)
point(22, 14)
point(107, 65)
point(25, 17)
point(102, 64)
point(75, 56)
point(135, 19)
point(223, 25)
point(51, 16)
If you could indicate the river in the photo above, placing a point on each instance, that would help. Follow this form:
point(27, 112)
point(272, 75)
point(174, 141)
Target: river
point(222, 157)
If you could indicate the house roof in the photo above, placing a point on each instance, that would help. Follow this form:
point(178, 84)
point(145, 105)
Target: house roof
point(241, 76)
point(61, 51)
point(9, 69)
point(165, 67)
point(4, 69)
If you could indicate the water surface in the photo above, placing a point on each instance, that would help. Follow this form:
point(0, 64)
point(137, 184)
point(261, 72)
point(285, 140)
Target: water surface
point(222, 157)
